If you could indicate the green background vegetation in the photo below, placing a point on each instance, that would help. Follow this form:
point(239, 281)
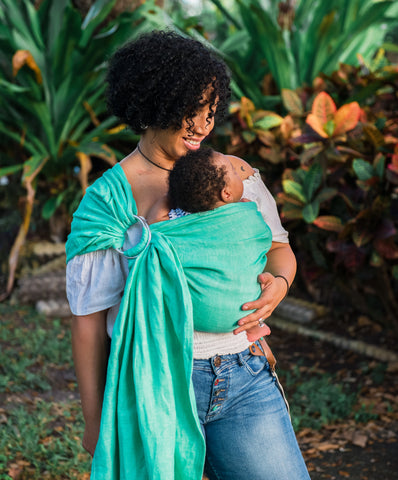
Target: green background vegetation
point(314, 107)
point(336, 187)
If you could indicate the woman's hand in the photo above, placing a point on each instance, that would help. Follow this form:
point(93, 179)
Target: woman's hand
point(274, 289)
point(281, 261)
point(90, 438)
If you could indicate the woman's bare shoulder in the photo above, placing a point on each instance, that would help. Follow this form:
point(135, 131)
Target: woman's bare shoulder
point(241, 166)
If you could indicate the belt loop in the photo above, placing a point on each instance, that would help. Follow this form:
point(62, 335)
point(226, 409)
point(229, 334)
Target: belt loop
point(240, 358)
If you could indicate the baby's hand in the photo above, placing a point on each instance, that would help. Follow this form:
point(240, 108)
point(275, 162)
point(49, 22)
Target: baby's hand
point(244, 200)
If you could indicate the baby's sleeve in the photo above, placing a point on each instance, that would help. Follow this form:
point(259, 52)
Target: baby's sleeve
point(256, 191)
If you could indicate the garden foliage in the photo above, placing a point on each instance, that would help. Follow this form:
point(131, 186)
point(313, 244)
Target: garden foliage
point(331, 156)
point(315, 112)
point(53, 118)
point(272, 45)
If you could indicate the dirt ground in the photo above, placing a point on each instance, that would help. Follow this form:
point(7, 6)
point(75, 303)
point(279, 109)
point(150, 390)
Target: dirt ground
point(359, 451)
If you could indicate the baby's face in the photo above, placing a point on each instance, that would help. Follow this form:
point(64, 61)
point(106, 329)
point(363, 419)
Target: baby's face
point(234, 182)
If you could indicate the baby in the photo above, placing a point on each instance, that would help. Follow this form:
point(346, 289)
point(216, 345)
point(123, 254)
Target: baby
point(201, 181)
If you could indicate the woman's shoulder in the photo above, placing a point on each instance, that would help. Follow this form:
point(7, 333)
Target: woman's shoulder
point(241, 166)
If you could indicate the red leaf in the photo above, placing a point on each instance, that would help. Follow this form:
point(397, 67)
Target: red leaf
point(328, 222)
point(387, 248)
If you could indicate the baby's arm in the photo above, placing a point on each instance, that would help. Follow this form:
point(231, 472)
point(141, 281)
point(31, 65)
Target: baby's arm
point(159, 212)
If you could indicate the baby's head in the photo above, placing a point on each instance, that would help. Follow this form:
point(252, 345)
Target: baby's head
point(203, 180)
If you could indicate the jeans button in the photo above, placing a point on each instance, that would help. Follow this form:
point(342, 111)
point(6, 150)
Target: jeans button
point(217, 361)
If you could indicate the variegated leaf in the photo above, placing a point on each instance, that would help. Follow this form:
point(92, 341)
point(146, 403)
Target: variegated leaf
point(346, 118)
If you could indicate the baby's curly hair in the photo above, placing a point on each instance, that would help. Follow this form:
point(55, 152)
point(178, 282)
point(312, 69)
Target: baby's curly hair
point(196, 181)
point(158, 80)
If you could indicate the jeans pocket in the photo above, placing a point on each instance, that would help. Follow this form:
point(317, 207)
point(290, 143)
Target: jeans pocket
point(254, 364)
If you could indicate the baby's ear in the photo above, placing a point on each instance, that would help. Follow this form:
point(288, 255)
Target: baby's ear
point(226, 195)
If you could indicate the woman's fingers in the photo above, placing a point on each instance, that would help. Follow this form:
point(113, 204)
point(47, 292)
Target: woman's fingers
point(255, 305)
point(251, 320)
point(265, 299)
point(263, 306)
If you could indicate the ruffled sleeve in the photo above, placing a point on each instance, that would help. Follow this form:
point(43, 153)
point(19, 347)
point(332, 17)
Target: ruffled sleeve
point(256, 191)
point(95, 281)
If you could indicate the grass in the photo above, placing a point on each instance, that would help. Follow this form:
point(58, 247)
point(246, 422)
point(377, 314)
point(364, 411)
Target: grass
point(317, 400)
point(40, 415)
point(41, 424)
point(43, 442)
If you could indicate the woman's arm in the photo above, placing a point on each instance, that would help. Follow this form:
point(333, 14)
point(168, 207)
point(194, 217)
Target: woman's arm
point(281, 261)
point(280, 258)
point(90, 344)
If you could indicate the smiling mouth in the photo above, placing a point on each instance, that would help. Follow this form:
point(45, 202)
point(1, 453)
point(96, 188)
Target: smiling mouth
point(195, 143)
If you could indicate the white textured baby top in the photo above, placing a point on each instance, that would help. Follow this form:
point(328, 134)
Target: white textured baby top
point(95, 281)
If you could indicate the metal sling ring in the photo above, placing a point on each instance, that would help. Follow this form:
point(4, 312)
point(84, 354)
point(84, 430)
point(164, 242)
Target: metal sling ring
point(141, 246)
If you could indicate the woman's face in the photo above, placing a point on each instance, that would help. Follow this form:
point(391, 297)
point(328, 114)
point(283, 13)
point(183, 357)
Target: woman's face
point(176, 143)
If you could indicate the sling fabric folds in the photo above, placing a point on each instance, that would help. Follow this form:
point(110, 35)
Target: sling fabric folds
point(149, 425)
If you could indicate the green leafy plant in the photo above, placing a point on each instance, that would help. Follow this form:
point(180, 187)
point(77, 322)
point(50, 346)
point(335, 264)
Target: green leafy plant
point(52, 105)
point(306, 190)
point(364, 414)
point(353, 209)
point(331, 158)
point(316, 400)
point(358, 176)
point(273, 45)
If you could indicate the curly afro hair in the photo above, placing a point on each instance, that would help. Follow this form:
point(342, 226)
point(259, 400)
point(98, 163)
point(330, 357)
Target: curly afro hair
point(159, 79)
point(196, 181)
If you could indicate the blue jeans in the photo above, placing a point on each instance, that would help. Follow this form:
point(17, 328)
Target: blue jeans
point(245, 421)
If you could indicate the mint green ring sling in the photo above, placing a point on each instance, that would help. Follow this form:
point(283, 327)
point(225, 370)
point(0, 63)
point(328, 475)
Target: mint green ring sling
point(149, 425)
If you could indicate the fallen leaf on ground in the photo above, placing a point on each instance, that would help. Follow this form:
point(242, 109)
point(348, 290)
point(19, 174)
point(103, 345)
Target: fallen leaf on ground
point(323, 447)
point(360, 439)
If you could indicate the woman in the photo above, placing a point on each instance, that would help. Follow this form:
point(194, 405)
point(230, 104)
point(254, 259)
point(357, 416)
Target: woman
point(169, 89)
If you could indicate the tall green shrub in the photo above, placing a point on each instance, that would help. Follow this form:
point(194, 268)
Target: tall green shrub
point(52, 104)
point(273, 45)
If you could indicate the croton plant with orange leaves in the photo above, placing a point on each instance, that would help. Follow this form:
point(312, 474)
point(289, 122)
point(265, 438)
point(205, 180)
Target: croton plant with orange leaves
point(329, 122)
point(330, 155)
